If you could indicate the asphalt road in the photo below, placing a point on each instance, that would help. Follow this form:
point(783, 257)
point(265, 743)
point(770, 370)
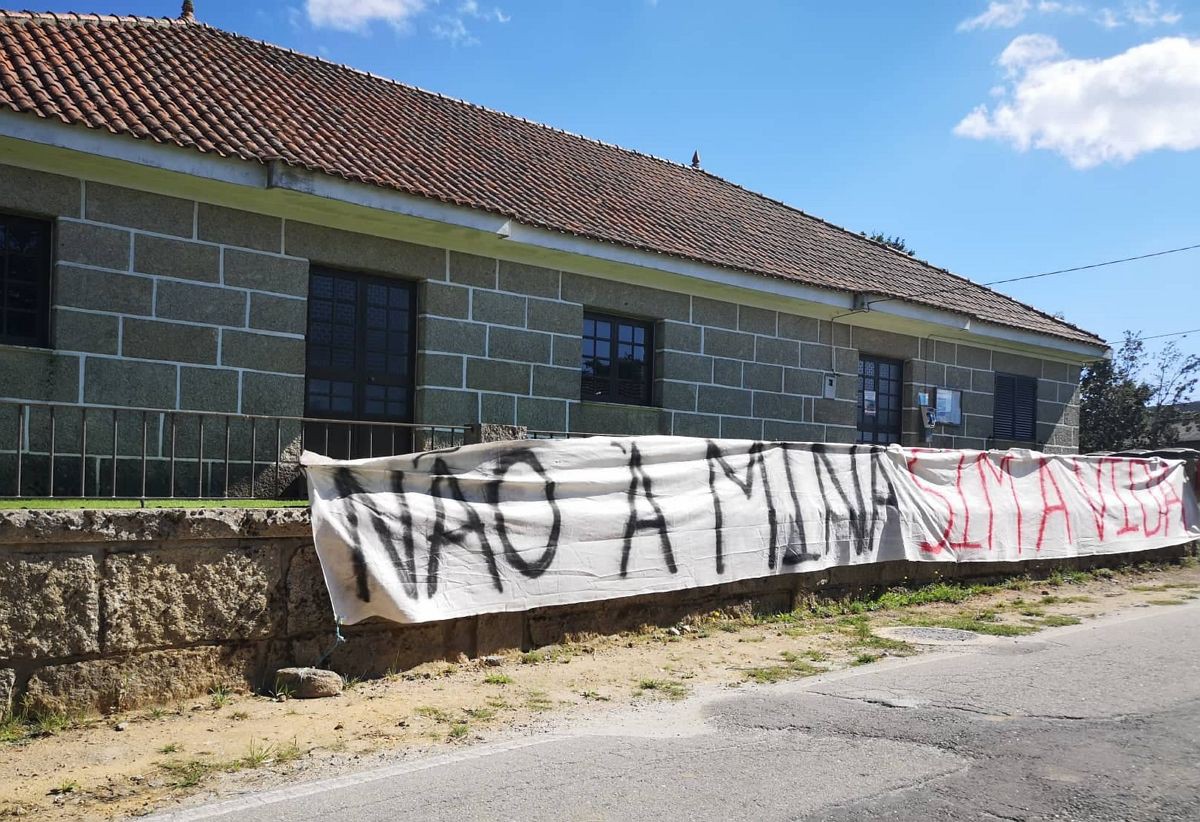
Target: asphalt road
point(1094, 722)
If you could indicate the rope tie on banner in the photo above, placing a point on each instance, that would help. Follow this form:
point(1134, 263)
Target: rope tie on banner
point(338, 639)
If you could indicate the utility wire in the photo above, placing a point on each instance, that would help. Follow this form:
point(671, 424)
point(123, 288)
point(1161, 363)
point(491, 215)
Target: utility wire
point(1037, 276)
point(1172, 334)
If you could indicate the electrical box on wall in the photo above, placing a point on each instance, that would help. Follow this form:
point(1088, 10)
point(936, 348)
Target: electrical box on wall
point(830, 386)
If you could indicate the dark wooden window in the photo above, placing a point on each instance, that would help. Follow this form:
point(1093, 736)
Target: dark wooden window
point(1015, 411)
point(617, 355)
point(879, 407)
point(24, 281)
point(360, 358)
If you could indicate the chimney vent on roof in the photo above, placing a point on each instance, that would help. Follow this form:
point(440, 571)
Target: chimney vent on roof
point(696, 160)
point(188, 12)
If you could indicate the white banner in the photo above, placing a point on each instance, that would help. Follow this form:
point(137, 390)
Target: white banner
point(515, 525)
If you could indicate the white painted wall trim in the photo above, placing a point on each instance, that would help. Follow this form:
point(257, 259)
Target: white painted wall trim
point(314, 197)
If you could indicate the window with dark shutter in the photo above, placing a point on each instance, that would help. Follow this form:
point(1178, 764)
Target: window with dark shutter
point(24, 281)
point(1015, 413)
point(616, 360)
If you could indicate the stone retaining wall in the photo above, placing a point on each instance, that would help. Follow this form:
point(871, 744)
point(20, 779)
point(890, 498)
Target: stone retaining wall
point(112, 610)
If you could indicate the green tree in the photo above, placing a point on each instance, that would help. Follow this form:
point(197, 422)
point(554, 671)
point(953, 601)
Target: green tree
point(1130, 401)
point(895, 242)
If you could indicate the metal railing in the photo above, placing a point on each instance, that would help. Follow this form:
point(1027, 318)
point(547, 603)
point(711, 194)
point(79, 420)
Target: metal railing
point(60, 451)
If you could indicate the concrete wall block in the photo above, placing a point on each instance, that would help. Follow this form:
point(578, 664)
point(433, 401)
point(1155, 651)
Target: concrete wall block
point(760, 377)
point(562, 383)
point(758, 320)
point(444, 300)
point(777, 351)
point(470, 269)
point(800, 382)
point(495, 633)
point(734, 402)
point(173, 342)
point(555, 317)
point(129, 383)
point(983, 381)
point(696, 425)
point(272, 394)
point(679, 336)
point(176, 258)
point(263, 272)
point(440, 369)
point(1054, 413)
point(795, 327)
point(1006, 363)
point(138, 680)
point(375, 650)
point(498, 308)
point(728, 344)
point(971, 357)
point(531, 280)
point(283, 314)
point(262, 352)
point(835, 412)
point(102, 290)
point(566, 352)
point(741, 428)
point(452, 336)
point(816, 356)
point(49, 605)
point(926, 373)
point(498, 410)
point(943, 352)
point(208, 389)
point(959, 378)
point(36, 192)
point(838, 334)
point(505, 377)
point(244, 229)
point(363, 252)
point(445, 407)
point(976, 403)
point(977, 425)
point(613, 418)
point(778, 406)
point(684, 367)
point(679, 396)
point(714, 313)
point(889, 344)
point(215, 305)
point(139, 209)
point(846, 435)
point(92, 245)
point(623, 298)
point(777, 431)
point(82, 331)
point(185, 595)
point(727, 372)
point(515, 344)
point(308, 608)
point(1068, 393)
point(1057, 371)
point(538, 414)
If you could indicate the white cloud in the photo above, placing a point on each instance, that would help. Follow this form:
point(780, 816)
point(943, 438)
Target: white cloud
point(454, 30)
point(1028, 50)
point(357, 15)
point(1145, 14)
point(1002, 14)
point(1099, 111)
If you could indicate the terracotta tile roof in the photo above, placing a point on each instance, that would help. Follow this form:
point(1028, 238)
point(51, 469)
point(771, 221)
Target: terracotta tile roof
point(188, 84)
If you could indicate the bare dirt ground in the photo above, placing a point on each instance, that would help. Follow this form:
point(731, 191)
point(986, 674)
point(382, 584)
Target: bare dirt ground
point(133, 764)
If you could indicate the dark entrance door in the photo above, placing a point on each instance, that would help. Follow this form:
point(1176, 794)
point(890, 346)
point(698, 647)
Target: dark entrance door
point(879, 383)
point(360, 363)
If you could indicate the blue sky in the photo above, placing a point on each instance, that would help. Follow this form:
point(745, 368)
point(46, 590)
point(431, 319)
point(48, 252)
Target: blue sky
point(1088, 147)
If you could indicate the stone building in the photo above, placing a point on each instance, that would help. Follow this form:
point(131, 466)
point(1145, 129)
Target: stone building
point(195, 221)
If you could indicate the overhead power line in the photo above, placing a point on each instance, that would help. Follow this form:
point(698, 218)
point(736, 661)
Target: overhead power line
point(1172, 334)
point(971, 286)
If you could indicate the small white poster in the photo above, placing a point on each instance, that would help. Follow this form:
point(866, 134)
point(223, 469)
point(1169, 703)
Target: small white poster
point(869, 403)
